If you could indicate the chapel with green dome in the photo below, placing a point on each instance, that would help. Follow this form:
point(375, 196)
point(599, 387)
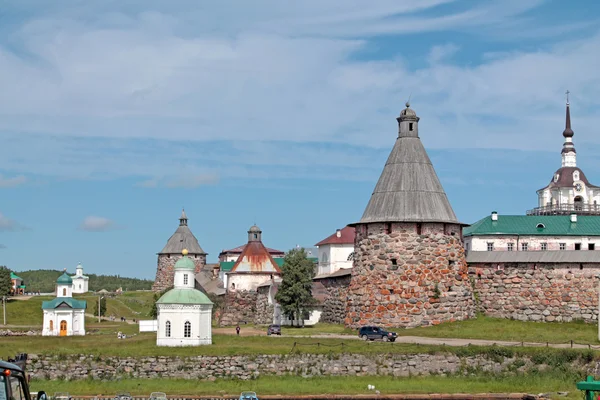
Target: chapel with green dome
point(64, 315)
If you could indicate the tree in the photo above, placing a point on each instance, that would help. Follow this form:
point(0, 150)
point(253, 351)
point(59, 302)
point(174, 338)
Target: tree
point(295, 292)
point(102, 307)
point(5, 281)
point(154, 310)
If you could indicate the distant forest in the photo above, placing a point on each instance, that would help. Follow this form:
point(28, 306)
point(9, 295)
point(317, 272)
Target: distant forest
point(44, 280)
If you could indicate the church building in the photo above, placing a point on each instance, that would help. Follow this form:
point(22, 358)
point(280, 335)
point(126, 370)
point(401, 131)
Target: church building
point(80, 281)
point(409, 263)
point(64, 316)
point(184, 313)
point(183, 238)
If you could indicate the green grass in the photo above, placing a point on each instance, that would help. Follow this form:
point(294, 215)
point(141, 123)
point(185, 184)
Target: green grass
point(294, 385)
point(509, 330)
point(318, 329)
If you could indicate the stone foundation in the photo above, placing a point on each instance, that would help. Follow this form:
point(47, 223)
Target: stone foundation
point(165, 271)
point(334, 305)
point(239, 307)
point(408, 275)
point(528, 292)
point(264, 310)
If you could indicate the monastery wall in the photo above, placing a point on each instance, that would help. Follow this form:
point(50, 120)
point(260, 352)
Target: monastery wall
point(239, 307)
point(165, 272)
point(526, 292)
point(334, 305)
point(415, 275)
point(264, 310)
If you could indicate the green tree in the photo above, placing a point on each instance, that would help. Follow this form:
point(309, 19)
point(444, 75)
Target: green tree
point(295, 292)
point(154, 310)
point(102, 307)
point(5, 281)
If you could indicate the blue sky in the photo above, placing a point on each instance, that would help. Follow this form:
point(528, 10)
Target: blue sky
point(114, 115)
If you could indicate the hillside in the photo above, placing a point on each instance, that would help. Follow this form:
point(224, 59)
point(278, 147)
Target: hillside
point(44, 280)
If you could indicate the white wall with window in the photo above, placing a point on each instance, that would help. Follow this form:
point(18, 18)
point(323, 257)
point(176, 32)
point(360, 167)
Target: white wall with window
point(531, 243)
point(333, 257)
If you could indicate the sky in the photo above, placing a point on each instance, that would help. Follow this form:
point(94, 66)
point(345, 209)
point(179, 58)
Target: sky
point(116, 114)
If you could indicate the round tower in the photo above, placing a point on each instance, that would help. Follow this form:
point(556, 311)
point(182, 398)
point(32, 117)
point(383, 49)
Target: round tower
point(409, 265)
point(183, 238)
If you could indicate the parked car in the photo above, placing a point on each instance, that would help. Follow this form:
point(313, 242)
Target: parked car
point(274, 330)
point(374, 332)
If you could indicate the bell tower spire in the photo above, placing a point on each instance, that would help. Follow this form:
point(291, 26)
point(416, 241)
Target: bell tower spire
point(569, 155)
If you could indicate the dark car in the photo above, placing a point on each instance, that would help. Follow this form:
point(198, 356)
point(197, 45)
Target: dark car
point(374, 332)
point(274, 330)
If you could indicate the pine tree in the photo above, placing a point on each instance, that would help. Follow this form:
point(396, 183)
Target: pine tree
point(295, 292)
point(5, 281)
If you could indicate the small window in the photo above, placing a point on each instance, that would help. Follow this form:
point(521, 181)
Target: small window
point(524, 246)
point(350, 257)
point(394, 261)
point(544, 246)
point(410, 126)
point(168, 329)
point(577, 246)
point(64, 292)
point(419, 228)
point(510, 246)
point(540, 226)
point(187, 329)
point(256, 236)
point(185, 279)
point(591, 246)
point(562, 246)
point(388, 228)
point(233, 285)
point(490, 246)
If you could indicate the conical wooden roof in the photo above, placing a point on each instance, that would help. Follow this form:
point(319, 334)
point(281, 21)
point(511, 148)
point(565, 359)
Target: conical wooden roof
point(183, 238)
point(408, 189)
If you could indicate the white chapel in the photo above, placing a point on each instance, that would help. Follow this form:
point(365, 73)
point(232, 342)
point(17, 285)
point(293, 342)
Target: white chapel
point(184, 312)
point(64, 315)
point(80, 281)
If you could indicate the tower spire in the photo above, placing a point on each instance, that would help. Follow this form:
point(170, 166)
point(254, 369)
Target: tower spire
point(183, 219)
point(568, 151)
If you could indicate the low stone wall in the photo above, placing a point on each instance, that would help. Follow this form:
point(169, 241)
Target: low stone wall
point(528, 292)
point(334, 305)
point(239, 307)
point(247, 367)
point(264, 310)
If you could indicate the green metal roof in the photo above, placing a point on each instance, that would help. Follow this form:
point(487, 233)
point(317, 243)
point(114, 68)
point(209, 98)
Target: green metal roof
point(185, 263)
point(73, 303)
point(226, 266)
point(184, 296)
point(543, 225)
point(64, 279)
point(14, 276)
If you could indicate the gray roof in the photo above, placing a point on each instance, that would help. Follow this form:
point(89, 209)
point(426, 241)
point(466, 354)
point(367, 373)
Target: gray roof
point(207, 283)
point(183, 238)
point(336, 274)
point(561, 256)
point(408, 189)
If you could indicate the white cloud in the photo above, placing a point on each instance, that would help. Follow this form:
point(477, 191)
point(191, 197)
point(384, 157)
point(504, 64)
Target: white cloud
point(135, 94)
point(97, 224)
point(10, 225)
point(186, 182)
point(6, 182)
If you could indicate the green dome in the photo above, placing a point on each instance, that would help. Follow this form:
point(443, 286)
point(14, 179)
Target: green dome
point(64, 279)
point(185, 263)
point(184, 296)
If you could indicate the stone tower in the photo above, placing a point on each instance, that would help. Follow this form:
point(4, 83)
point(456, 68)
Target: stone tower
point(183, 238)
point(409, 264)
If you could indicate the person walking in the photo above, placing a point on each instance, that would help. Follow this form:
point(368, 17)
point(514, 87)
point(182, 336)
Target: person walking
point(237, 330)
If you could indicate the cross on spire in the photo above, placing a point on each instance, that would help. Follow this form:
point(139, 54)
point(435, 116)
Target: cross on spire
point(567, 93)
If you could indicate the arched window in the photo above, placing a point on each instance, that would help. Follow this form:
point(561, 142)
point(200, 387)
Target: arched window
point(578, 203)
point(575, 175)
point(168, 329)
point(80, 286)
point(64, 292)
point(324, 258)
point(351, 257)
point(232, 285)
point(51, 325)
point(540, 225)
point(187, 329)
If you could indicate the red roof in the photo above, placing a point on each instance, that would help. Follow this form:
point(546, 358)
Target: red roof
point(255, 259)
point(239, 249)
point(342, 236)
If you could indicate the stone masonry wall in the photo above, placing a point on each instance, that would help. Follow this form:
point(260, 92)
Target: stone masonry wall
point(264, 310)
point(559, 292)
point(334, 305)
point(239, 307)
point(165, 271)
point(78, 367)
point(415, 275)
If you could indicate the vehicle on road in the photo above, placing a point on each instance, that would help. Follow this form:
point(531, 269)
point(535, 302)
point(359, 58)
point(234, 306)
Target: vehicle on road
point(375, 332)
point(274, 330)
point(248, 396)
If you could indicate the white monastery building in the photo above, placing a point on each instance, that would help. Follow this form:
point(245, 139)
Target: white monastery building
point(567, 217)
point(336, 251)
point(184, 312)
point(80, 281)
point(64, 316)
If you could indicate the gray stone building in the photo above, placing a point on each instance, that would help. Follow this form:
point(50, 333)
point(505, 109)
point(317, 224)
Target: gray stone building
point(183, 238)
point(409, 264)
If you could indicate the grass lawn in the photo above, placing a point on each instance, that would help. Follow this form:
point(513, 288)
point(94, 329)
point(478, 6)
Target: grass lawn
point(318, 329)
point(294, 385)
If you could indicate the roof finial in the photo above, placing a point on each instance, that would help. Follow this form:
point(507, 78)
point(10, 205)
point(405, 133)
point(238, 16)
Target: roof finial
point(183, 219)
point(408, 101)
point(567, 93)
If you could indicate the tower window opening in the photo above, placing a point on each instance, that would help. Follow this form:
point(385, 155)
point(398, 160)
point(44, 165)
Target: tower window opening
point(255, 236)
point(410, 126)
point(419, 228)
point(387, 228)
point(185, 279)
point(591, 246)
point(394, 261)
point(577, 246)
point(64, 292)
point(187, 329)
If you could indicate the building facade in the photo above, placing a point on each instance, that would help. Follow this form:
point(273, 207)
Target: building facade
point(80, 281)
point(184, 313)
point(64, 315)
point(409, 264)
point(17, 284)
point(183, 238)
point(336, 251)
